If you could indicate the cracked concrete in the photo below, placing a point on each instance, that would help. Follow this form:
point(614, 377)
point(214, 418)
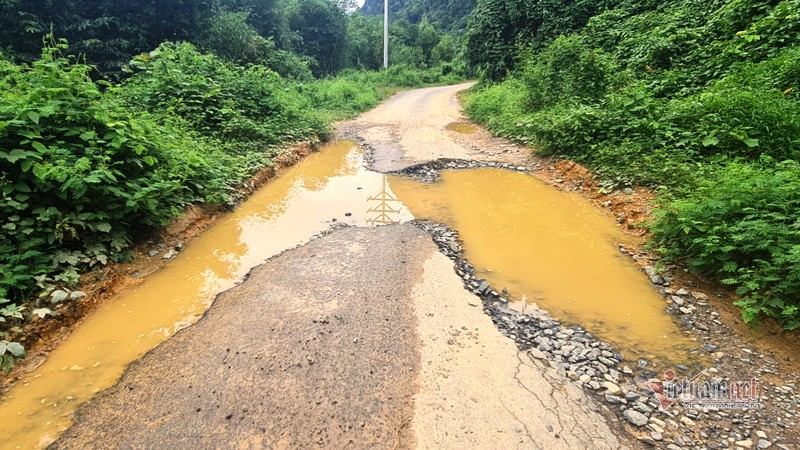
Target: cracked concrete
point(468, 397)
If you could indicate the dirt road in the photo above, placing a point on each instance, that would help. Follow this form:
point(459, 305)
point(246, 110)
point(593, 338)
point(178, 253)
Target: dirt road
point(412, 128)
point(364, 338)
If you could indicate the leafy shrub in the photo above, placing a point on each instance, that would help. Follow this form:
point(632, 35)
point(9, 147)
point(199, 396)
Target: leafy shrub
point(79, 177)
point(742, 225)
point(76, 173)
point(566, 69)
point(218, 100)
point(740, 122)
point(232, 38)
point(501, 107)
point(781, 74)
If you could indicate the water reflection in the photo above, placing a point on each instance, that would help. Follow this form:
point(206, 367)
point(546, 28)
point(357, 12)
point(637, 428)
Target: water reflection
point(382, 213)
point(529, 238)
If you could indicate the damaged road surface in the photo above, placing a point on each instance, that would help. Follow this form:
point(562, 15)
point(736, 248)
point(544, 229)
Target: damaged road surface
point(363, 338)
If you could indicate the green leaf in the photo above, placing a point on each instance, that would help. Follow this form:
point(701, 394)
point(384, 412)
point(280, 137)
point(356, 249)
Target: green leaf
point(39, 146)
point(750, 142)
point(58, 296)
point(16, 349)
point(39, 171)
point(88, 136)
point(6, 363)
point(710, 140)
point(29, 134)
point(16, 154)
point(34, 116)
point(104, 227)
point(26, 165)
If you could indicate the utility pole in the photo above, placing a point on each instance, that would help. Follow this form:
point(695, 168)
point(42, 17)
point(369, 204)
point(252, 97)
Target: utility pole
point(385, 34)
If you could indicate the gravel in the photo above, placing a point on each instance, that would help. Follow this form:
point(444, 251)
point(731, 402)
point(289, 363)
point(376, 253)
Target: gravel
point(598, 368)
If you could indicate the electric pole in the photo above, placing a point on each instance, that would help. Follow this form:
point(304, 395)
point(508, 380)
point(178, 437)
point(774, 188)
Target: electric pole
point(385, 34)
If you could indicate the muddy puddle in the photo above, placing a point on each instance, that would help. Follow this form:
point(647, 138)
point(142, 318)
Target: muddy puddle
point(463, 128)
point(543, 245)
point(301, 202)
point(551, 248)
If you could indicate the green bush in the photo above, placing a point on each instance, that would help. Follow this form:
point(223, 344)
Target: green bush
point(79, 178)
point(501, 107)
point(230, 37)
point(742, 225)
point(780, 74)
point(77, 173)
point(740, 122)
point(567, 70)
point(252, 104)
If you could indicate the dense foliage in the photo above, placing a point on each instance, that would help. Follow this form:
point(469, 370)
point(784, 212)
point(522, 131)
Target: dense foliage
point(448, 15)
point(294, 38)
point(699, 98)
point(496, 28)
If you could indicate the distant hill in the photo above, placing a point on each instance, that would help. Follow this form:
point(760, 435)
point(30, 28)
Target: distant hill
point(448, 15)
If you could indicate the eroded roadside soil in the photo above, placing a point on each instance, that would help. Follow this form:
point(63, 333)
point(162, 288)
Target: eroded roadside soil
point(42, 336)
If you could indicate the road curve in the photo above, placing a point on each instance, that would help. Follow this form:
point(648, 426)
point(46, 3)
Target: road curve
point(364, 338)
point(411, 128)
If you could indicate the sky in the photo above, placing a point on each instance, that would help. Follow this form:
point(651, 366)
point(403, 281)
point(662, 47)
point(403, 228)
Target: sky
point(360, 3)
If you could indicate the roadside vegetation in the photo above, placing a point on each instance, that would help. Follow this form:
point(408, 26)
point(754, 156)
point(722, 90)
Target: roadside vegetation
point(113, 132)
point(697, 99)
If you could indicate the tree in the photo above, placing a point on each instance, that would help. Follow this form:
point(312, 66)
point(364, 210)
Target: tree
point(266, 16)
point(497, 27)
point(105, 34)
point(321, 30)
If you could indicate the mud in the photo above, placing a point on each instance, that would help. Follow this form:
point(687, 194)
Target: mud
point(40, 337)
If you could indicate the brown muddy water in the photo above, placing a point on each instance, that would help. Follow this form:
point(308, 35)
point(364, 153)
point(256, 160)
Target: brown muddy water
point(543, 245)
point(463, 128)
point(301, 202)
point(551, 248)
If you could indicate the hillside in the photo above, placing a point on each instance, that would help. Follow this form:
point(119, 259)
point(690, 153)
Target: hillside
point(448, 15)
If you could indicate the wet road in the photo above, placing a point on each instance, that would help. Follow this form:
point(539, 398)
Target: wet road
point(364, 338)
point(412, 128)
